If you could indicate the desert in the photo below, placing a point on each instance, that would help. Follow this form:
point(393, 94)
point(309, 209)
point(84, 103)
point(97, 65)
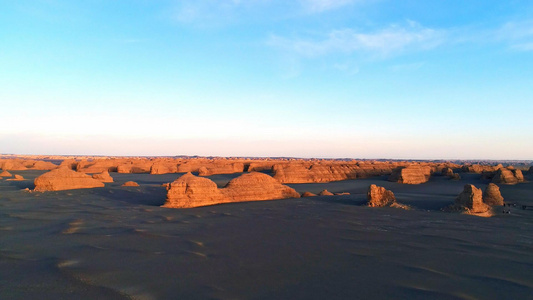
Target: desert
point(266, 149)
point(183, 235)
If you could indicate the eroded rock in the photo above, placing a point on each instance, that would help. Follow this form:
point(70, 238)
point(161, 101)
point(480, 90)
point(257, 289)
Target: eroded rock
point(378, 196)
point(193, 191)
point(492, 195)
point(65, 179)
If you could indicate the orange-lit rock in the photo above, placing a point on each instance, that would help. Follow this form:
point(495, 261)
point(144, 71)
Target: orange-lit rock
point(378, 196)
point(448, 172)
point(325, 193)
point(65, 179)
point(43, 165)
point(221, 168)
point(97, 165)
point(257, 186)
point(192, 191)
point(130, 183)
point(303, 172)
point(13, 164)
point(164, 167)
point(71, 164)
point(492, 195)
point(507, 176)
point(481, 168)
point(471, 200)
point(135, 166)
point(411, 175)
point(308, 194)
point(16, 178)
point(5, 174)
point(18, 164)
point(103, 177)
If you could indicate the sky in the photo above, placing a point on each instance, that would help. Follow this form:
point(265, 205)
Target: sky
point(411, 79)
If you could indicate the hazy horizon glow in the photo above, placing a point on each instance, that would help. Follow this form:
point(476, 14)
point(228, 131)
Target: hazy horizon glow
point(303, 78)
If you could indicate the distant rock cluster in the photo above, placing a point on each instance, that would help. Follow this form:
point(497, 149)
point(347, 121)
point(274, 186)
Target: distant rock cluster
point(255, 184)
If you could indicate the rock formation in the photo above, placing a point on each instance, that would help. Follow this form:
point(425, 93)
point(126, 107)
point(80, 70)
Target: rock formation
point(17, 178)
point(257, 186)
point(411, 175)
point(192, 191)
point(65, 179)
point(71, 164)
point(130, 183)
point(508, 176)
point(456, 176)
point(164, 167)
point(448, 172)
point(221, 168)
point(518, 175)
point(43, 165)
point(308, 194)
point(478, 169)
point(135, 166)
point(379, 196)
point(98, 165)
point(492, 195)
point(471, 200)
point(325, 193)
point(5, 174)
point(261, 166)
point(103, 177)
point(18, 164)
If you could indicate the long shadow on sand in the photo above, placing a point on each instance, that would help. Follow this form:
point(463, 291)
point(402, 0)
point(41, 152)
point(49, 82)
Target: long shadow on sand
point(23, 184)
point(356, 200)
point(417, 202)
point(152, 196)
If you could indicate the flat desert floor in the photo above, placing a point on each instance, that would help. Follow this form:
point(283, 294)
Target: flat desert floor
point(117, 243)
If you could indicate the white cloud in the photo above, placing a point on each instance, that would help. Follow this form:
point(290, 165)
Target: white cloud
point(383, 43)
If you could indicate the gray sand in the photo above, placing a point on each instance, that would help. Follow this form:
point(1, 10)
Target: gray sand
point(117, 243)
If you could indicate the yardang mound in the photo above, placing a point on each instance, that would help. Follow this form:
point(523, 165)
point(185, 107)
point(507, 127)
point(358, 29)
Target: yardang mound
point(65, 179)
point(192, 191)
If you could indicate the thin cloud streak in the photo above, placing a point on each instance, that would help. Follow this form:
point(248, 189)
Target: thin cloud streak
point(220, 12)
point(519, 35)
point(384, 43)
point(318, 6)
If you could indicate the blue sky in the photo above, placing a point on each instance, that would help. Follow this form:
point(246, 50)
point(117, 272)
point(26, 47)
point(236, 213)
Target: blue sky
point(307, 78)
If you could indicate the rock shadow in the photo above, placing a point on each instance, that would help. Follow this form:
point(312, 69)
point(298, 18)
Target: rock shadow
point(23, 184)
point(356, 200)
point(151, 196)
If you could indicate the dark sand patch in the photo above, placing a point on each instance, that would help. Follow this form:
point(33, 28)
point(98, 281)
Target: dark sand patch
point(115, 243)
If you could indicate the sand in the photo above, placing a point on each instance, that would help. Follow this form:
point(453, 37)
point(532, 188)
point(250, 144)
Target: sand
point(117, 243)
